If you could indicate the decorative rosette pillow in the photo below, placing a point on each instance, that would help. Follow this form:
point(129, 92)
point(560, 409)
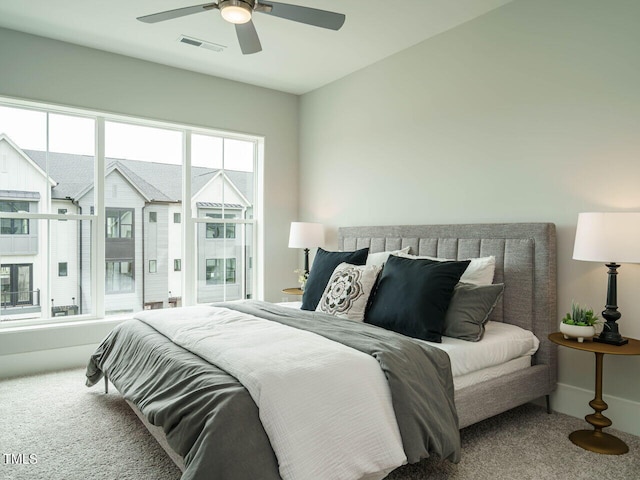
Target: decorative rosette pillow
point(347, 293)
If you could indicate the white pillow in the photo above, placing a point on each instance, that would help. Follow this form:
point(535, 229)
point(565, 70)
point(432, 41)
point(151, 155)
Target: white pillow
point(479, 272)
point(347, 293)
point(381, 257)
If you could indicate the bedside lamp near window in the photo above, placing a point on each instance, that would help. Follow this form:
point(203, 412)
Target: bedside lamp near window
point(609, 238)
point(306, 235)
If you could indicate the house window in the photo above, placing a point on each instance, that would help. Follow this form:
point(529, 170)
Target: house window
point(153, 266)
point(119, 223)
point(62, 211)
point(153, 217)
point(220, 271)
point(176, 217)
point(16, 284)
point(14, 226)
point(62, 269)
point(119, 278)
point(177, 265)
point(221, 230)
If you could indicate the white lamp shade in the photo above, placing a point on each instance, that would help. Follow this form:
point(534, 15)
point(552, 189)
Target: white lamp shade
point(306, 235)
point(608, 237)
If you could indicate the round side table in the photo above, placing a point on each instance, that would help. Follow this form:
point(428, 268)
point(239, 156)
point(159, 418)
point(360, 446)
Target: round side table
point(596, 440)
point(293, 291)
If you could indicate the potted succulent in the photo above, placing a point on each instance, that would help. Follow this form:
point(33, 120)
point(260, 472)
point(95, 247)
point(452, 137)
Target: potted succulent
point(579, 323)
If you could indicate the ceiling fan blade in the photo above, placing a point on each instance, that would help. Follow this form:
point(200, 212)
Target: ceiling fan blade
point(297, 13)
point(248, 38)
point(178, 12)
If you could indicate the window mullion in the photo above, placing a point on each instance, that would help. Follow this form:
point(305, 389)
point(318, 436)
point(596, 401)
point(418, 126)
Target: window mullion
point(99, 224)
point(189, 267)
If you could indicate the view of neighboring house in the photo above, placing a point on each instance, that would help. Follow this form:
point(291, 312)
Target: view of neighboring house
point(143, 239)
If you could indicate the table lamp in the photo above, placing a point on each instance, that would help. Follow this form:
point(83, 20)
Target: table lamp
point(609, 238)
point(306, 235)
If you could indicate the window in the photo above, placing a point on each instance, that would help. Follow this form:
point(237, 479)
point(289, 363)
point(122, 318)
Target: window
point(119, 223)
point(16, 282)
point(220, 271)
point(119, 278)
point(51, 151)
point(14, 226)
point(220, 230)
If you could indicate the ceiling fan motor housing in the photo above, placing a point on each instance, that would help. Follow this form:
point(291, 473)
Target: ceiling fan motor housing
point(236, 11)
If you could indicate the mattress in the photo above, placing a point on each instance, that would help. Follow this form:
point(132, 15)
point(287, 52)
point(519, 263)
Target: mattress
point(489, 373)
point(501, 343)
point(504, 349)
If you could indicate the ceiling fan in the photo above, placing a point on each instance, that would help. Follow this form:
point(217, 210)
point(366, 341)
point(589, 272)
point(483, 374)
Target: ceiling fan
point(239, 13)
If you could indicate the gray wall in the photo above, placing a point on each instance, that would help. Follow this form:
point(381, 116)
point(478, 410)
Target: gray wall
point(529, 113)
point(56, 72)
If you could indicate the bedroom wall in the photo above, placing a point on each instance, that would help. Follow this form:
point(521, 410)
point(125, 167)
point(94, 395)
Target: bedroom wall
point(529, 113)
point(46, 70)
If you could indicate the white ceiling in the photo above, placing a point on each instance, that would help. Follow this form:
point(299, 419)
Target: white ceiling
point(296, 58)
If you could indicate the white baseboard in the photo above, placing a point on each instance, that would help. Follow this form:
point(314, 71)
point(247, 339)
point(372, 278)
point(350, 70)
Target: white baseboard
point(31, 363)
point(574, 401)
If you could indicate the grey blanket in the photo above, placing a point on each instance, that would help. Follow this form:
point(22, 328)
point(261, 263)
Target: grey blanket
point(210, 419)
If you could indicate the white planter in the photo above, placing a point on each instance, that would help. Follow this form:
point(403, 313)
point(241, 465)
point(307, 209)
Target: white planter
point(577, 331)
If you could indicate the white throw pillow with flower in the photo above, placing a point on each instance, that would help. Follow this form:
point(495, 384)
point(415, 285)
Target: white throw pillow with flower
point(347, 293)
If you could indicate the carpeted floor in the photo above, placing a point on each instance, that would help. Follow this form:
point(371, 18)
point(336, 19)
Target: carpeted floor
point(53, 427)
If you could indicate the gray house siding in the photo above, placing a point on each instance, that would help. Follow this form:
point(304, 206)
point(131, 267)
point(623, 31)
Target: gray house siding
point(156, 238)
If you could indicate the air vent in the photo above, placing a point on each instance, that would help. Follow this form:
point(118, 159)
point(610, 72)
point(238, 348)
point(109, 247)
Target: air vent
point(201, 43)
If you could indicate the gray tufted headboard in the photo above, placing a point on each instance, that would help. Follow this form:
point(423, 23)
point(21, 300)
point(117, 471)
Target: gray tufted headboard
point(525, 262)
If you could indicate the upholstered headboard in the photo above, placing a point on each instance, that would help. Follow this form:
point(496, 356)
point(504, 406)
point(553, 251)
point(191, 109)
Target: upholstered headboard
point(525, 262)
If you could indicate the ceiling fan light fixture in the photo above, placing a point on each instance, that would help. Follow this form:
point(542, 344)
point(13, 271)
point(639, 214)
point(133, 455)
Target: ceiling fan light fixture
point(236, 11)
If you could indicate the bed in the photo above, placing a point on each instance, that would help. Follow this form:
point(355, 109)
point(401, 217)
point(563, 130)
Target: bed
point(137, 362)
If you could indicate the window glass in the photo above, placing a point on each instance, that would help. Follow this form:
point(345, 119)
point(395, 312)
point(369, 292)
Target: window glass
point(221, 230)
point(119, 223)
point(221, 270)
point(49, 165)
point(14, 226)
point(48, 159)
point(119, 277)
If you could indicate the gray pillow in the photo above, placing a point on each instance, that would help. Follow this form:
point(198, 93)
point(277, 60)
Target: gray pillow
point(469, 310)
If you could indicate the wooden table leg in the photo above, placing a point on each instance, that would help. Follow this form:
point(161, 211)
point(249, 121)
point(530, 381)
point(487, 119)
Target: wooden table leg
point(596, 440)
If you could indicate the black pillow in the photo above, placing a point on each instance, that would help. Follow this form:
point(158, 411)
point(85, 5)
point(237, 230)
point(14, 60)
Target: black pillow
point(323, 266)
point(412, 296)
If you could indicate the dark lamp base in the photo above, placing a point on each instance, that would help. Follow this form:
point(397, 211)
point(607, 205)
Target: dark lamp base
point(611, 339)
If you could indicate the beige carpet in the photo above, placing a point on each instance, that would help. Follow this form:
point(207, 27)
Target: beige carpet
point(74, 432)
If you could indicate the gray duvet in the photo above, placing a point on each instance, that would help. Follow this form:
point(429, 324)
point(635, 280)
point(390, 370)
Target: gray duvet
point(210, 419)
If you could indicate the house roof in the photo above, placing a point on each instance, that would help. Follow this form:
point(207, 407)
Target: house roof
point(160, 182)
